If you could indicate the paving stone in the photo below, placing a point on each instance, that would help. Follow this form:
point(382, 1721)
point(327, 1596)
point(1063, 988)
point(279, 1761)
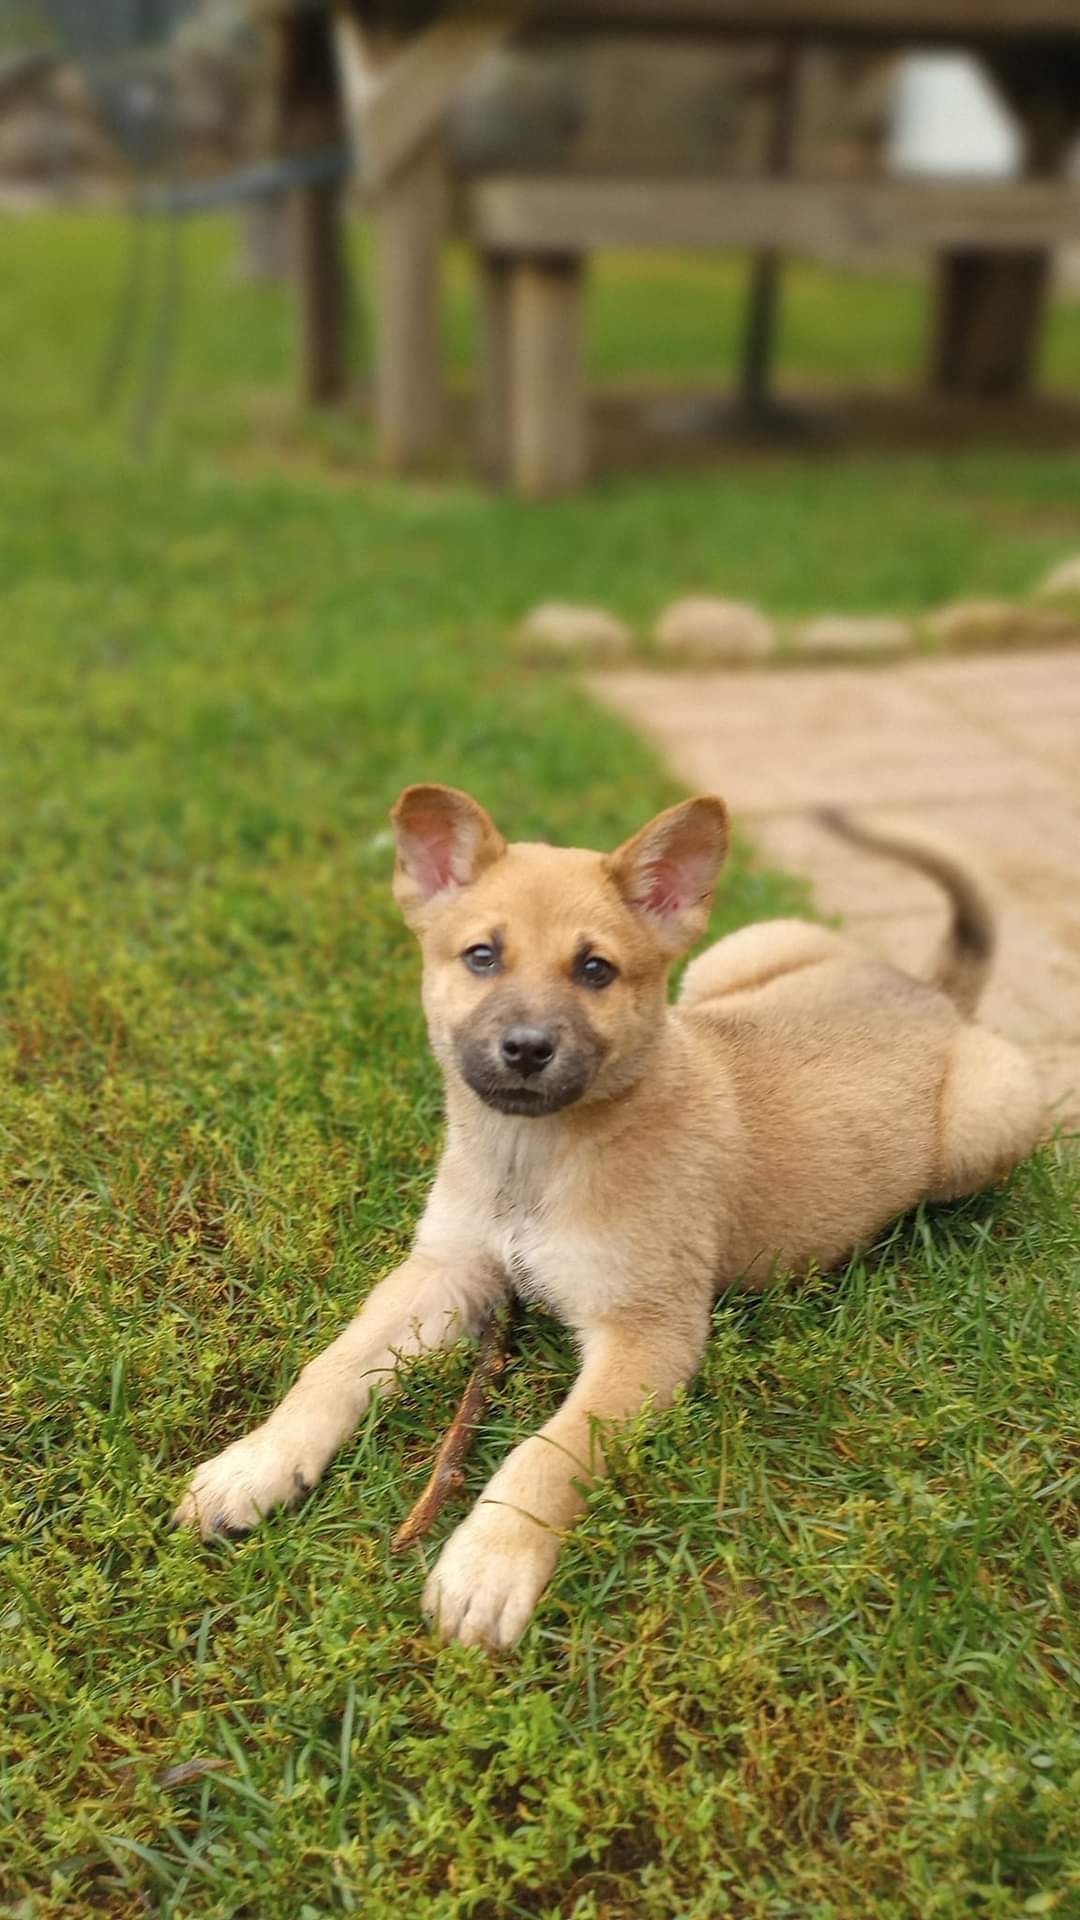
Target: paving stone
point(1030, 848)
point(847, 881)
point(785, 740)
point(846, 702)
point(557, 630)
point(983, 752)
point(997, 686)
point(776, 771)
point(702, 628)
point(839, 635)
point(797, 697)
point(1052, 739)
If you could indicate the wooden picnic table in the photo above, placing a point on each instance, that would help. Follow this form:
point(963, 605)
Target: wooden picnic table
point(388, 72)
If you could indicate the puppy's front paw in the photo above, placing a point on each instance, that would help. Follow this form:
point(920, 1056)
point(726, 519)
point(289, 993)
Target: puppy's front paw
point(489, 1577)
point(232, 1492)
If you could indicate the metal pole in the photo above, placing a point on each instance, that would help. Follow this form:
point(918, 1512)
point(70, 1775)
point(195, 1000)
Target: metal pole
point(763, 302)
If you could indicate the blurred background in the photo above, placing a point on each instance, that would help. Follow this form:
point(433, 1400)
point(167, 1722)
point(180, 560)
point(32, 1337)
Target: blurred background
point(875, 199)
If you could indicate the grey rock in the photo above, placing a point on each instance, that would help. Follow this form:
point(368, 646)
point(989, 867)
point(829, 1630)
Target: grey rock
point(557, 630)
point(699, 627)
point(975, 624)
point(1062, 582)
point(839, 635)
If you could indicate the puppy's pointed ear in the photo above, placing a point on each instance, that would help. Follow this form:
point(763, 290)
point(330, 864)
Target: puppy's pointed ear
point(667, 872)
point(444, 842)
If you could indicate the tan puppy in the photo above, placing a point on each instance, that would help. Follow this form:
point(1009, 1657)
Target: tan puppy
point(620, 1160)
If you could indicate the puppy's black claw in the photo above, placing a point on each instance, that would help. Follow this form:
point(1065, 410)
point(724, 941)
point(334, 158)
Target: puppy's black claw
point(301, 1484)
point(226, 1532)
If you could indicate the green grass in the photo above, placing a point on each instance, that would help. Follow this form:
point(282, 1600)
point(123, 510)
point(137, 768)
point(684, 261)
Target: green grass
point(815, 1651)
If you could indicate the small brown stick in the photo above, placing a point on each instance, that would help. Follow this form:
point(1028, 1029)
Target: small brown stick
point(446, 1475)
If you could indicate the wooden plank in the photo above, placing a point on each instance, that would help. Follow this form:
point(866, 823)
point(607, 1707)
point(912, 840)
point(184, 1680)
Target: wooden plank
point(304, 108)
point(547, 377)
point(896, 19)
point(408, 192)
point(409, 223)
point(318, 248)
point(513, 213)
point(392, 106)
point(988, 322)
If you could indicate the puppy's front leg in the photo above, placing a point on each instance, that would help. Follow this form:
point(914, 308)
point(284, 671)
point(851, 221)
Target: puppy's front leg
point(493, 1570)
point(424, 1303)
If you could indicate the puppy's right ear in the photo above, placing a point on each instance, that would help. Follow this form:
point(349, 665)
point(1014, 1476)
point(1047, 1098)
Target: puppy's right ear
point(444, 842)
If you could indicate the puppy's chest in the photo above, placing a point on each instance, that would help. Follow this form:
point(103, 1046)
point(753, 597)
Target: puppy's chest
point(556, 1255)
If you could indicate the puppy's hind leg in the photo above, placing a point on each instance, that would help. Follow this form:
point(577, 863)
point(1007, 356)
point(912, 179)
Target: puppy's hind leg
point(754, 955)
point(992, 1113)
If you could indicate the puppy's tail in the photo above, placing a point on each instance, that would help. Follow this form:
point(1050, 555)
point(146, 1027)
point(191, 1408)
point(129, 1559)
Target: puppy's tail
point(967, 952)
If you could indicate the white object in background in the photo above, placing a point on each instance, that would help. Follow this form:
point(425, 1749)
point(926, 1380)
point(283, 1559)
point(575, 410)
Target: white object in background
point(947, 118)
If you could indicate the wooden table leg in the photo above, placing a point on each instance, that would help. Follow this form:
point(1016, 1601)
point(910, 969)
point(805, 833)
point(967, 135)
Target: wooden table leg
point(547, 378)
point(409, 219)
point(322, 292)
point(308, 117)
point(990, 308)
point(493, 274)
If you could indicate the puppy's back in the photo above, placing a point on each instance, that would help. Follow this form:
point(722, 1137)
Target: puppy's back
point(837, 1072)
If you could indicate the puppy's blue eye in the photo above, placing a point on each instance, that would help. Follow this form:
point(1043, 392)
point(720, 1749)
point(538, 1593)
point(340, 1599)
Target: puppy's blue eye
point(481, 959)
point(595, 972)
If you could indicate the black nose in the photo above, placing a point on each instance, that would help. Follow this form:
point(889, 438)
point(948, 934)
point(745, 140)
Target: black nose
point(528, 1049)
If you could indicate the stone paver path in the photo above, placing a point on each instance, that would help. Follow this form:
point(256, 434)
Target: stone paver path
point(985, 751)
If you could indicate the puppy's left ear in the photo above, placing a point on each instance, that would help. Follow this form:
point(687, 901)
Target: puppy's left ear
point(668, 871)
point(444, 842)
